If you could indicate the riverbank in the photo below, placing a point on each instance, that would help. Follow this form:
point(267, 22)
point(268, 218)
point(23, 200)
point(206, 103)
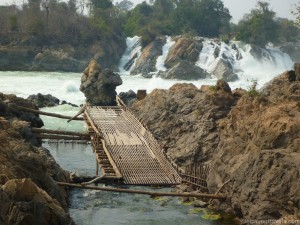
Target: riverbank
point(28, 190)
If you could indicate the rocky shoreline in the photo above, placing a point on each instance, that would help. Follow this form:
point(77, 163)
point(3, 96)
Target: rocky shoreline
point(248, 137)
point(28, 173)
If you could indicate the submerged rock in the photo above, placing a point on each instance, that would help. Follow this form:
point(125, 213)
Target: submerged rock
point(128, 97)
point(99, 86)
point(184, 71)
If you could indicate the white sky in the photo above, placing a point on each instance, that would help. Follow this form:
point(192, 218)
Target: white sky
point(237, 8)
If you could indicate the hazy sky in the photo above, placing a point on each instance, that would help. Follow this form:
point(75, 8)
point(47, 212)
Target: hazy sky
point(237, 8)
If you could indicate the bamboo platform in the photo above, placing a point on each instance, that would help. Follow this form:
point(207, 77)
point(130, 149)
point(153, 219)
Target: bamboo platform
point(125, 149)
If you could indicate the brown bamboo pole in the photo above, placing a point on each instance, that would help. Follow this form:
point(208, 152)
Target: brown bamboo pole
point(47, 113)
point(76, 116)
point(47, 131)
point(142, 192)
point(64, 137)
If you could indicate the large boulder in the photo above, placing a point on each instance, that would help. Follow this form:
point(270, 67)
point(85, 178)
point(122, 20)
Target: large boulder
point(147, 61)
point(26, 203)
point(223, 70)
point(56, 60)
point(184, 71)
point(185, 48)
point(99, 86)
point(44, 100)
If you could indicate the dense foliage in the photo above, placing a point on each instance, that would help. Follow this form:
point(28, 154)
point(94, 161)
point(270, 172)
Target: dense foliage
point(45, 22)
point(171, 17)
point(261, 27)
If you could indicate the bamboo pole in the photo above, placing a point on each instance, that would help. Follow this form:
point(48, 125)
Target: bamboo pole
point(47, 131)
point(47, 113)
point(64, 137)
point(76, 116)
point(142, 192)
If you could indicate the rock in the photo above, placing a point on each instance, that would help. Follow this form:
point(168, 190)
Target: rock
point(8, 109)
point(223, 70)
point(297, 72)
point(223, 85)
point(56, 60)
point(42, 101)
point(128, 97)
point(184, 71)
point(200, 204)
point(260, 53)
point(32, 205)
point(129, 64)
point(99, 86)
point(259, 152)
point(292, 49)
point(184, 114)
point(16, 59)
point(28, 173)
point(185, 48)
point(68, 103)
point(141, 94)
point(147, 61)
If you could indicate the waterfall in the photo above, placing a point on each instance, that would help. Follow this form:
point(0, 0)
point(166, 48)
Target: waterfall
point(131, 54)
point(160, 62)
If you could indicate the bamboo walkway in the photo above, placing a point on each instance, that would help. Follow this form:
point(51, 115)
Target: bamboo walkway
point(125, 149)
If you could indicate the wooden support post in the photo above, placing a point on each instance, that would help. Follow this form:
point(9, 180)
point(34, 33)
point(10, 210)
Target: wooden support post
point(97, 167)
point(47, 131)
point(61, 137)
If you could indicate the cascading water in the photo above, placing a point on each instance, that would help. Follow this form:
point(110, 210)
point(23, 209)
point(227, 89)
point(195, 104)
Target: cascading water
point(131, 54)
point(160, 62)
point(245, 61)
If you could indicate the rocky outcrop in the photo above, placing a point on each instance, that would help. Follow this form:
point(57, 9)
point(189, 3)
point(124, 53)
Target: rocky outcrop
point(147, 61)
point(184, 119)
point(16, 58)
point(184, 71)
point(41, 55)
point(99, 86)
point(41, 100)
point(128, 97)
point(223, 70)
point(250, 141)
point(185, 48)
point(55, 60)
point(28, 173)
point(259, 152)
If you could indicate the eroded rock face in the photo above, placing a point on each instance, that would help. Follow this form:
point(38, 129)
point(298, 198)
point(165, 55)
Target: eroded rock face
point(184, 71)
point(99, 86)
point(29, 193)
point(184, 118)
point(54, 60)
point(251, 141)
point(31, 204)
point(147, 61)
point(185, 48)
point(223, 70)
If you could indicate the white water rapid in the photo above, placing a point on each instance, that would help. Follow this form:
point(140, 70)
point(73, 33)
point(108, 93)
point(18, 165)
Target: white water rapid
point(247, 62)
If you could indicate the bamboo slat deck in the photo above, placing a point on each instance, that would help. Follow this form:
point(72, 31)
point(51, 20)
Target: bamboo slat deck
point(125, 149)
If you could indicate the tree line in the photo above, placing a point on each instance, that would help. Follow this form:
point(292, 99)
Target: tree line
point(85, 21)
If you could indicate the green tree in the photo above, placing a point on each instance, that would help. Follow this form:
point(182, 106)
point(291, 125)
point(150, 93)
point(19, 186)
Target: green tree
point(259, 27)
